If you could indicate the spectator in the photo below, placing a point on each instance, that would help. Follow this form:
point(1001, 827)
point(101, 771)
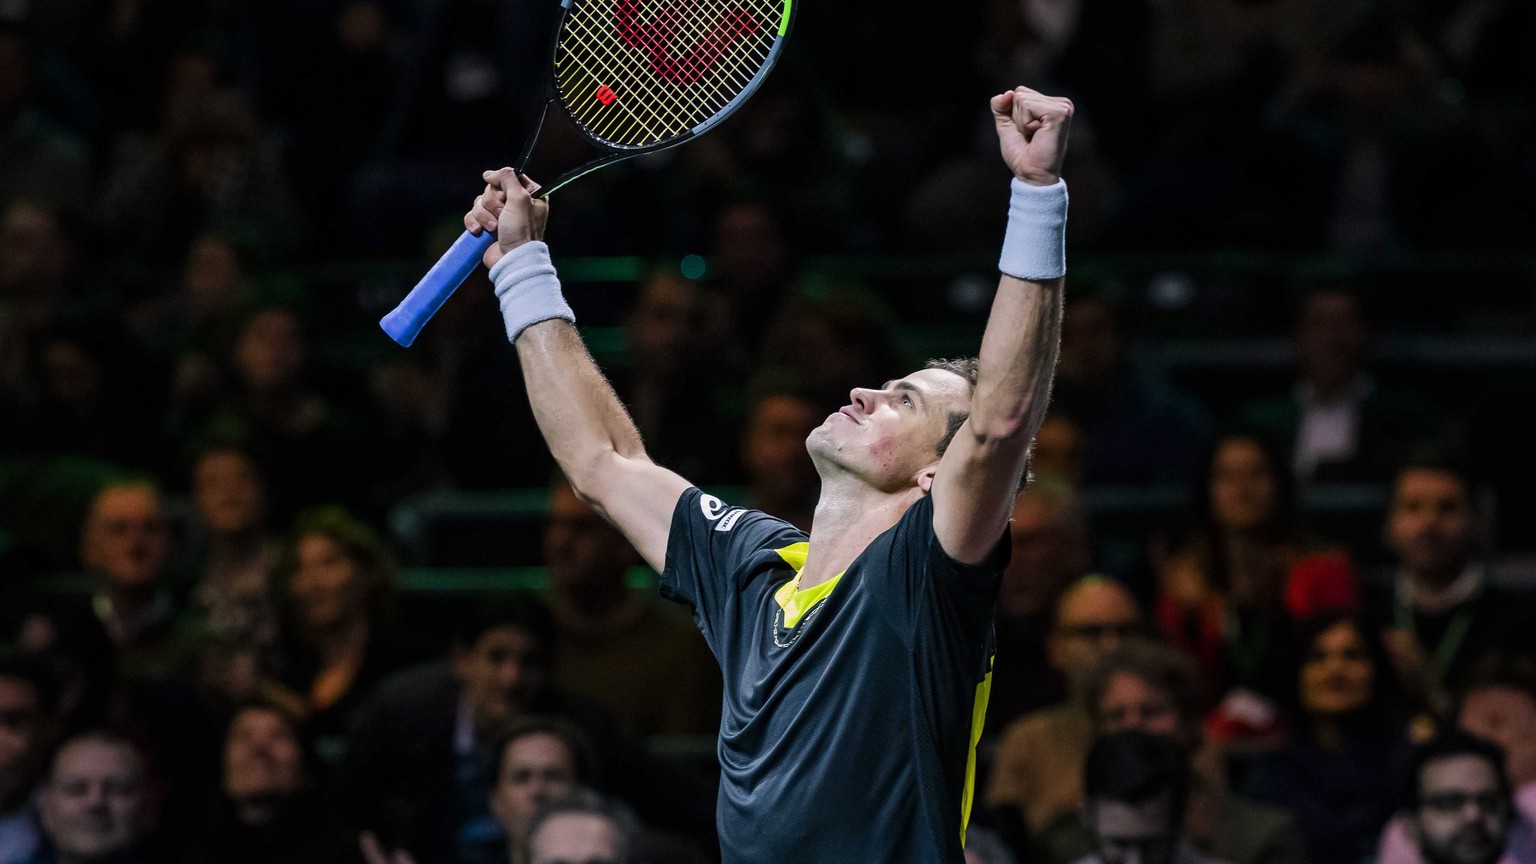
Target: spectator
point(1058, 451)
point(42, 161)
point(339, 582)
point(268, 809)
point(1230, 595)
point(418, 771)
point(984, 847)
point(1337, 421)
point(125, 544)
point(1336, 773)
point(1499, 705)
point(1049, 534)
point(621, 648)
point(1036, 768)
point(539, 761)
point(582, 827)
point(233, 592)
point(35, 281)
point(26, 734)
point(781, 480)
point(1445, 613)
point(1135, 786)
point(1460, 806)
point(95, 806)
point(1136, 428)
point(1153, 688)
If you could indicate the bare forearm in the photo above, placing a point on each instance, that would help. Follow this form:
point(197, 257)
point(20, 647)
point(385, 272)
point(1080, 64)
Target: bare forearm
point(578, 413)
point(1018, 359)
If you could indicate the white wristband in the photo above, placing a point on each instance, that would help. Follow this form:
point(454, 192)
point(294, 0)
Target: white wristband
point(528, 289)
point(1035, 247)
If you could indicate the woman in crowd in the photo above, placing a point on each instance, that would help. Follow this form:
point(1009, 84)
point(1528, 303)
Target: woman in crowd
point(338, 583)
point(1232, 594)
point(1340, 770)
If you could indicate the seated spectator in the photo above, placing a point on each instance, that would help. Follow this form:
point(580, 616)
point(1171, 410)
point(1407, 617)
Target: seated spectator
point(984, 847)
point(96, 805)
point(1135, 787)
point(1338, 772)
point(582, 827)
point(623, 649)
point(26, 734)
point(1499, 705)
point(237, 560)
point(1336, 420)
point(418, 771)
point(1058, 451)
point(1445, 613)
point(781, 480)
point(539, 761)
point(1049, 534)
point(1230, 596)
point(339, 583)
point(1136, 428)
point(1460, 807)
point(1151, 687)
point(126, 546)
point(1036, 768)
point(268, 810)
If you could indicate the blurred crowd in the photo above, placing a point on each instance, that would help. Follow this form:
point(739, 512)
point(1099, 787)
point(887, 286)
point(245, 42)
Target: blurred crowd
point(210, 652)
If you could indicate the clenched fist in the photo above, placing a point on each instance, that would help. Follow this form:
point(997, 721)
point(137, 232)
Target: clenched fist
point(507, 207)
point(1032, 133)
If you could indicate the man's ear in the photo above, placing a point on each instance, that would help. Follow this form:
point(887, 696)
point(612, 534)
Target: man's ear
point(925, 479)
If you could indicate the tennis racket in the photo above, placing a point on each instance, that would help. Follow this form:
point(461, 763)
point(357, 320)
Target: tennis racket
point(634, 77)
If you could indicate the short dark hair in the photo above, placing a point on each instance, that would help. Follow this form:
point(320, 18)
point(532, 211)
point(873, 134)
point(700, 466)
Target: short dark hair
point(583, 754)
point(1162, 666)
point(1134, 767)
point(1438, 459)
point(517, 613)
point(1448, 745)
point(588, 803)
point(968, 368)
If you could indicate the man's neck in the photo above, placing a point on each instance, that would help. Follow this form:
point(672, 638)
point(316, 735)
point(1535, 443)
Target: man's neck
point(1435, 592)
point(849, 516)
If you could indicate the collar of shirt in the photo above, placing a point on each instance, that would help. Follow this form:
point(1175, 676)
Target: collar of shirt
point(124, 629)
point(1428, 601)
point(1358, 389)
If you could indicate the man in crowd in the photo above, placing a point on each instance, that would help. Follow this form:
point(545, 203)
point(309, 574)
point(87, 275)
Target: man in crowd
point(1460, 805)
point(26, 697)
point(1443, 608)
point(619, 647)
point(1039, 760)
point(1136, 786)
point(539, 761)
point(95, 806)
point(582, 828)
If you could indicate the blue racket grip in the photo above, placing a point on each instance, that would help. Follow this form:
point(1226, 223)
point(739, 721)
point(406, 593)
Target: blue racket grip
point(404, 324)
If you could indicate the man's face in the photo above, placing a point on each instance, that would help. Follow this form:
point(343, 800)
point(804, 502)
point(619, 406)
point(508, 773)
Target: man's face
point(1049, 553)
point(228, 492)
point(1461, 817)
point(262, 757)
point(1507, 717)
point(1090, 344)
point(23, 728)
point(1132, 702)
point(328, 586)
point(585, 553)
point(1330, 339)
point(575, 838)
point(125, 537)
point(500, 674)
point(1433, 526)
point(535, 770)
point(773, 447)
point(889, 437)
point(1127, 833)
point(93, 807)
point(1091, 619)
point(1244, 490)
point(663, 323)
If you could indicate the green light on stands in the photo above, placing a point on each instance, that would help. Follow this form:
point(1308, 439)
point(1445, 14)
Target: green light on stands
point(693, 266)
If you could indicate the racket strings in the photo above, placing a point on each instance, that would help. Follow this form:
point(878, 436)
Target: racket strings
point(633, 73)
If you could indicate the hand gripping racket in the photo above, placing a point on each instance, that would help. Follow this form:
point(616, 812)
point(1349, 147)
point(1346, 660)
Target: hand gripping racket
point(634, 76)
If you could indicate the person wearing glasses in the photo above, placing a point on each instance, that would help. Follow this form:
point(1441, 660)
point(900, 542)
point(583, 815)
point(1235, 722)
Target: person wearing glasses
point(1136, 787)
point(1461, 808)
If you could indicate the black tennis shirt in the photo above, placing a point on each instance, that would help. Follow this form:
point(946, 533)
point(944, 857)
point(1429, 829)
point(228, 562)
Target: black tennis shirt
point(851, 714)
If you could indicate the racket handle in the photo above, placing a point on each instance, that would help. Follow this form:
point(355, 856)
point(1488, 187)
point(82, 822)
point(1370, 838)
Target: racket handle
point(404, 324)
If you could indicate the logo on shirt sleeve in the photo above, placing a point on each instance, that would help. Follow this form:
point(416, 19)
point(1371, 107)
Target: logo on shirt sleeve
point(713, 507)
point(730, 520)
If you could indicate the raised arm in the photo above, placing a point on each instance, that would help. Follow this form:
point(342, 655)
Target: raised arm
point(974, 488)
point(584, 424)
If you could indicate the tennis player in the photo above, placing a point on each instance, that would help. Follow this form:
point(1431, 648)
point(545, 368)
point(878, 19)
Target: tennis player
point(857, 659)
